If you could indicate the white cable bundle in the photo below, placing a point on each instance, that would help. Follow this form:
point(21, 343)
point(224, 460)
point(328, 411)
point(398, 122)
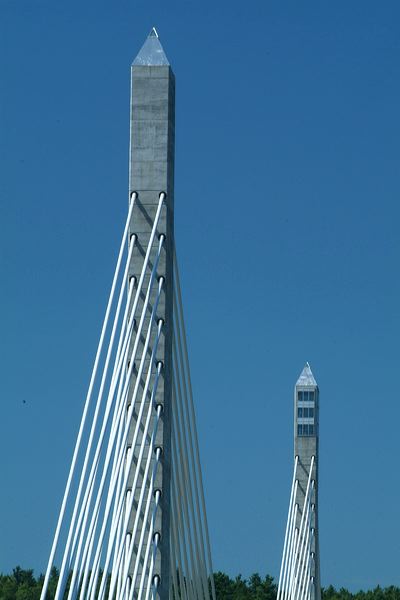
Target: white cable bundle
point(106, 528)
point(295, 577)
point(191, 568)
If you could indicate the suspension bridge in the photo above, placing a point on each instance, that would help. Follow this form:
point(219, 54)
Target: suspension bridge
point(132, 522)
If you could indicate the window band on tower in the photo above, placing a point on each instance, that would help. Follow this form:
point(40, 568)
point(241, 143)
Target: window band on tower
point(306, 425)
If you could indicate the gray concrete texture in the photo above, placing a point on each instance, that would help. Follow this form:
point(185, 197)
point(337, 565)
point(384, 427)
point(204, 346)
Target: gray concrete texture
point(152, 141)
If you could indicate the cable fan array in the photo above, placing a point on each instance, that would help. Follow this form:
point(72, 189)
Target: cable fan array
point(297, 573)
point(108, 535)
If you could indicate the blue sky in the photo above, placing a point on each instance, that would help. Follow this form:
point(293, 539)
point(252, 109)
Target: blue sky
point(287, 229)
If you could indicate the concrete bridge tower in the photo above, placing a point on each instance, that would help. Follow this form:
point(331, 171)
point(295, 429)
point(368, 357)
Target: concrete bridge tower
point(132, 523)
point(306, 442)
point(151, 181)
point(299, 577)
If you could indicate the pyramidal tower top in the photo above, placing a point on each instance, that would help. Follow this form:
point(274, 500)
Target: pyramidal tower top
point(306, 377)
point(151, 53)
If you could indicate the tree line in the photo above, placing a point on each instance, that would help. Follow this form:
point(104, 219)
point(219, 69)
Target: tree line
point(21, 584)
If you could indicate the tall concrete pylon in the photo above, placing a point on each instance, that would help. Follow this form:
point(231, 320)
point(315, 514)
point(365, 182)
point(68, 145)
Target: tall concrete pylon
point(133, 522)
point(299, 577)
point(151, 175)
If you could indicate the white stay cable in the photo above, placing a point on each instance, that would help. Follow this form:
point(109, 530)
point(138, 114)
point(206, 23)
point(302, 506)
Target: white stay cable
point(184, 576)
point(152, 540)
point(177, 286)
point(287, 574)
point(133, 239)
point(301, 563)
point(176, 551)
point(288, 561)
point(285, 544)
point(291, 556)
point(86, 554)
point(87, 402)
point(150, 496)
point(304, 544)
point(152, 579)
point(188, 458)
point(300, 552)
point(310, 532)
point(119, 367)
point(120, 545)
point(116, 519)
point(125, 436)
point(148, 251)
point(67, 557)
point(128, 421)
point(293, 564)
point(183, 478)
point(174, 580)
point(121, 402)
point(304, 572)
point(141, 279)
point(155, 587)
point(87, 500)
point(176, 559)
point(307, 593)
point(185, 534)
point(121, 398)
point(294, 574)
point(83, 512)
point(307, 590)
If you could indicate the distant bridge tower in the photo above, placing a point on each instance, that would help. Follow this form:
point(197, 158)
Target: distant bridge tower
point(132, 524)
point(299, 577)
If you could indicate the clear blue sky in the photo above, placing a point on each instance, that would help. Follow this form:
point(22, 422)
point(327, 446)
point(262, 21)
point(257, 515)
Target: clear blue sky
point(287, 228)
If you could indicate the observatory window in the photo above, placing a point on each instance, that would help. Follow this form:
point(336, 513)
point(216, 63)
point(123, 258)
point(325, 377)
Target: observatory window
point(305, 396)
point(306, 412)
point(305, 429)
